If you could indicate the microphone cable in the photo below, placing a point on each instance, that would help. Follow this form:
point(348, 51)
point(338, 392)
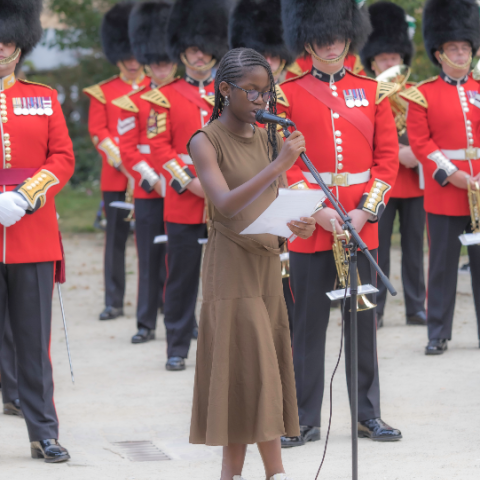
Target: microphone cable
point(333, 376)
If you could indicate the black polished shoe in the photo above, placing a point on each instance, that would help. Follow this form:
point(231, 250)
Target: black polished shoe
point(436, 346)
point(50, 450)
point(419, 318)
point(378, 431)
point(379, 321)
point(175, 364)
point(110, 313)
point(307, 434)
point(13, 408)
point(143, 335)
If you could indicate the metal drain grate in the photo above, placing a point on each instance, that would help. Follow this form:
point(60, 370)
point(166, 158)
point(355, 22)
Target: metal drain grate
point(141, 451)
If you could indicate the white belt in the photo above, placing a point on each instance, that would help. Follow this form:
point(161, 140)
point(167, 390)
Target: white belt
point(340, 179)
point(463, 154)
point(187, 159)
point(145, 149)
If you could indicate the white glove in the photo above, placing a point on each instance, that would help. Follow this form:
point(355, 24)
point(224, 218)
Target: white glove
point(12, 208)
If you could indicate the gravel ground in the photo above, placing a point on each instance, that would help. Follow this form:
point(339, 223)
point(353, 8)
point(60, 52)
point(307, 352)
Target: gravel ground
point(123, 393)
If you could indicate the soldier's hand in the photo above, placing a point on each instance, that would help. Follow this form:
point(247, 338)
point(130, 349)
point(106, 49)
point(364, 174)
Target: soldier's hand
point(359, 218)
point(323, 218)
point(406, 157)
point(12, 208)
point(460, 179)
point(303, 229)
point(291, 150)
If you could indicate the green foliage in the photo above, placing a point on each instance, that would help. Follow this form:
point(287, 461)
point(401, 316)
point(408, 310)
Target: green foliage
point(77, 208)
point(82, 19)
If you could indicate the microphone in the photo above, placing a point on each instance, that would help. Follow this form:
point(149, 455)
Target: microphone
point(262, 116)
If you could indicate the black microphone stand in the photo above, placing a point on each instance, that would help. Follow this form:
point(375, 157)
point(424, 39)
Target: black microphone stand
point(355, 243)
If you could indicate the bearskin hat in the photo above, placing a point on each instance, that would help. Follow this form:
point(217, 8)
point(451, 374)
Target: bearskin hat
point(147, 29)
point(257, 24)
point(114, 33)
point(390, 33)
point(199, 23)
point(20, 23)
point(450, 21)
point(322, 22)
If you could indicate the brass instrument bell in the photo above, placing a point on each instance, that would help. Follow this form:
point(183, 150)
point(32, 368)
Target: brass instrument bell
point(398, 74)
point(342, 263)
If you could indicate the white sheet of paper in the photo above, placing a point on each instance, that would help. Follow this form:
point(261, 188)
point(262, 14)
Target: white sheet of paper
point(289, 205)
point(122, 205)
point(470, 239)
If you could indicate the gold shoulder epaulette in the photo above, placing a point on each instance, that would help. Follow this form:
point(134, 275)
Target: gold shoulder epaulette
point(96, 92)
point(358, 66)
point(413, 94)
point(34, 83)
point(210, 99)
point(385, 90)
point(295, 69)
point(125, 103)
point(428, 80)
point(295, 78)
point(281, 98)
point(157, 97)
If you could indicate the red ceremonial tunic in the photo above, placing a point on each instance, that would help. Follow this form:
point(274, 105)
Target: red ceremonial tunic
point(335, 146)
point(143, 114)
point(304, 64)
point(189, 109)
point(407, 184)
point(40, 144)
point(442, 128)
point(103, 125)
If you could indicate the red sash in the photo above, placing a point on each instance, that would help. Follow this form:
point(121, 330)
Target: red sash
point(186, 90)
point(15, 176)
point(355, 116)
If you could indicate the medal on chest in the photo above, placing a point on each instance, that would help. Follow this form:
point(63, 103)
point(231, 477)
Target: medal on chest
point(471, 94)
point(32, 106)
point(355, 97)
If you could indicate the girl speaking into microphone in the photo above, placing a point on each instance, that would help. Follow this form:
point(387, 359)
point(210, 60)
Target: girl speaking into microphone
point(244, 383)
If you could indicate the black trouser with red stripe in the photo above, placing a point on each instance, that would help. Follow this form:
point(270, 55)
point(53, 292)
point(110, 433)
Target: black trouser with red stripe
point(312, 275)
point(184, 255)
point(412, 231)
point(151, 259)
point(116, 236)
point(8, 364)
point(444, 244)
point(26, 293)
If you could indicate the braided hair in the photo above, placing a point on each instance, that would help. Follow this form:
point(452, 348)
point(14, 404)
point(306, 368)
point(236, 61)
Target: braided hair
point(232, 68)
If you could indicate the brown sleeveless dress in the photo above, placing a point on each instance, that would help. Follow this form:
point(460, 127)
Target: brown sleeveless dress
point(244, 382)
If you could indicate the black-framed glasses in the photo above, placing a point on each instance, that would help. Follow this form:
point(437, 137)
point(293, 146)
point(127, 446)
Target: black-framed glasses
point(252, 95)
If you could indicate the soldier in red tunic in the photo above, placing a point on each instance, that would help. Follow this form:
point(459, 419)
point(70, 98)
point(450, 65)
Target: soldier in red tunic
point(197, 36)
point(142, 111)
point(37, 161)
point(442, 128)
point(105, 127)
point(389, 45)
point(352, 141)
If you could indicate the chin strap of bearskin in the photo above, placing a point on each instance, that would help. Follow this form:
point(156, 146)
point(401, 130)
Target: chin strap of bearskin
point(204, 68)
point(454, 65)
point(12, 57)
point(311, 51)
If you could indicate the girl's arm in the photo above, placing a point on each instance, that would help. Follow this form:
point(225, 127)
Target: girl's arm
point(230, 202)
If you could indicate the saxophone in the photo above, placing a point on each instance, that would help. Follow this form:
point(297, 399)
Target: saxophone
point(342, 262)
point(474, 203)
